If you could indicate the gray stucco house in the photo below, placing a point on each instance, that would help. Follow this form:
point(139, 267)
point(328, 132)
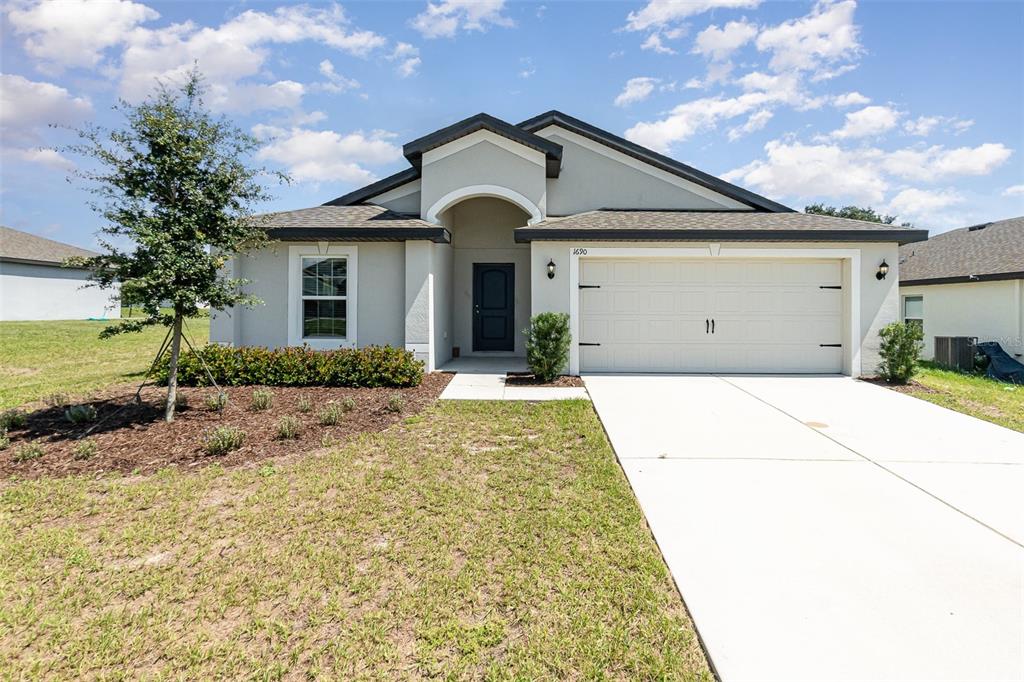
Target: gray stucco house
point(661, 267)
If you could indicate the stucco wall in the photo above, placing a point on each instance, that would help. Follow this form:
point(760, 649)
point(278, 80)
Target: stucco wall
point(879, 300)
point(50, 292)
point(402, 199)
point(991, 311)
point(443, 260)
point(381, 298)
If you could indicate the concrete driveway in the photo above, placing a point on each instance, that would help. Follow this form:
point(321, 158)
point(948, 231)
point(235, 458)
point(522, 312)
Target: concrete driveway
point(821, 528)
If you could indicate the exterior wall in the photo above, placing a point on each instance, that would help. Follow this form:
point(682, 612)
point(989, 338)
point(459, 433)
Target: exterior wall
point(878, 300)
point(991, 311)
point(482, 232)
point(380, 305)
point(31, 291)
point(403, 199)
point(595, 176)
point(483, 162)
point(443, 258)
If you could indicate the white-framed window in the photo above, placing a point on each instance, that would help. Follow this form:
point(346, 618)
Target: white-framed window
point(322, 295)
point(913, 310)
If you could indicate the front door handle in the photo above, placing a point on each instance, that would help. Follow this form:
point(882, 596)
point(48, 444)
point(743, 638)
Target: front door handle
point(712, 326)
point(476, 310)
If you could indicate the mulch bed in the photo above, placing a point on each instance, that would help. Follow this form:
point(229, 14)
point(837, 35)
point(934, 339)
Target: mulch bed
point(911, 388)
point(137, 440)
point(527, 379)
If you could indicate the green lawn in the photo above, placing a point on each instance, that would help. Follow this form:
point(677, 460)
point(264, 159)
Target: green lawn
point(478, 540)
point(38, 359)
point(994, 401)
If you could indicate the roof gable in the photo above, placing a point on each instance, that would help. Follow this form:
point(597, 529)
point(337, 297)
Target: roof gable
point(16, 245)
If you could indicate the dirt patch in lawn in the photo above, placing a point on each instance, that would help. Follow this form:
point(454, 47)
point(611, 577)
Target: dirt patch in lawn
point(132, 437)
point(527, 379)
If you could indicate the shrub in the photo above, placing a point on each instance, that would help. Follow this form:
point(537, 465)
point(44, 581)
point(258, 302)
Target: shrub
point(5, 440)
point(217, 402)
point(261, 399)
point(80, 414)
point(547, 345)
point(330, 415)
point(305, 405)
point(12, 419)
point(288, 428)
point(348, 404)
point(395, 403)
point(28, 452)
point(85, 449)
point(371, 367)
point(899, 350)
point(223, 439)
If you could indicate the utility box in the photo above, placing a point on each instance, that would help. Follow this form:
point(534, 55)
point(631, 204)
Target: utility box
point(956, 352)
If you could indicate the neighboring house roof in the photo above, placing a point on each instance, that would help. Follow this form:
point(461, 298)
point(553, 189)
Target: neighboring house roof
point(524, 133)
point(364, 222)
point(25, 247)
point(990, 251)
point(627, 225)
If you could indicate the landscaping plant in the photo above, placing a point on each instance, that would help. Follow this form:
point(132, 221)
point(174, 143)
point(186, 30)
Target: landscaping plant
point(900, 350)
point(305, 405)
point(85, 449)
point(330, 415)
point(27, 452)
point(547, 345)
point(223, 439)
point(288, 428)
point(12, 419)
point(80, 414)
point(395, 403)
point(175, 191)
point(217, 402)
point(261, 399)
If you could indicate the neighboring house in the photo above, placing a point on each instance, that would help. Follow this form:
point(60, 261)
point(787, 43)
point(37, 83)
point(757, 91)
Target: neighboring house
point(967, 282)
point(660, 267)
point(34, 285)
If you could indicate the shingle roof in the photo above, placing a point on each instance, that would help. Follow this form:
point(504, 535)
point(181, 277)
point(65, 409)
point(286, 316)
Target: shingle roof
point(23, 246)
point(363, 222)
point(626, 225)
point(988, 251)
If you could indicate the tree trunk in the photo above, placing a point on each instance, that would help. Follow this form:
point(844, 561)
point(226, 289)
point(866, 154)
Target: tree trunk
point(172, 373)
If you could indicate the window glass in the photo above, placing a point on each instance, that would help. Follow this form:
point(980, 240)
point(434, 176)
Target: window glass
point(913, 307)
point(324, 297)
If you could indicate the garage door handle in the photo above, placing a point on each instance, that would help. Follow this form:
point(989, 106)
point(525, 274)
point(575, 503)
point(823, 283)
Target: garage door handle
point(712, 326)
point(707, 326)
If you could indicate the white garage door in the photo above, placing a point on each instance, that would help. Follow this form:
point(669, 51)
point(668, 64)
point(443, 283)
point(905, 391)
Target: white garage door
point(711, 315)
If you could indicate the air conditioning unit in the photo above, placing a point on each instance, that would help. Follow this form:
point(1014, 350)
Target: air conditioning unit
point(956, 352)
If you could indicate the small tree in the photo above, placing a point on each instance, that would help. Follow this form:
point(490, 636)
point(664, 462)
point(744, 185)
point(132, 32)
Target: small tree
point(547, 345)
point(900, 348)
point(854, 213)
point(174, 184)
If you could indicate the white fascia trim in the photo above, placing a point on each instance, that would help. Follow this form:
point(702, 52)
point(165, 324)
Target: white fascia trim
point(853, 365)
point(636, 164)
point(480, 136)
point(295, 254)
point(398, 192)
point(472, 191)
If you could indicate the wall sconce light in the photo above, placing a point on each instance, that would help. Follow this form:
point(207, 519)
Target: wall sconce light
point(551, 269)
point(883, 270)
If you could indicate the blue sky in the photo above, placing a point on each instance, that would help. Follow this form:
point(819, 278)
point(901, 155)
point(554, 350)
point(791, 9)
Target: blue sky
point(914, 108)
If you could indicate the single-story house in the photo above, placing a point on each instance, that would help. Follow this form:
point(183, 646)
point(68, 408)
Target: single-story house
point(660, 267)
point(35, 286)
point(967, 282)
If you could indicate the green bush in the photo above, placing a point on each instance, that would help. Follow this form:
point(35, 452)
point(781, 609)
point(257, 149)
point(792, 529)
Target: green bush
point(223, 439)
point(80, 414)
point(288, 428)
point(85, 449)
point(899, 350)
point(12, 419)
point(395, 403)
point(547, 345)
point(331, 414)
point(5, 440)
point(28, 452)
point(305, 405)
point(261, 399)
point(217, 402)
point(347, 404)
point(371, 367)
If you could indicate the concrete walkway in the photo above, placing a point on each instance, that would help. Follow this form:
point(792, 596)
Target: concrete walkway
point(483, 378)
point(821, 528)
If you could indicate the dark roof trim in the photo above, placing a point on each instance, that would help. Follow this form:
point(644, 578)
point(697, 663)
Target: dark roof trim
point(33, 261)
point(438, 235)
point(963, 279)
point(653, 158)
point(528, 234)
point(552, 150)
point(386, 185)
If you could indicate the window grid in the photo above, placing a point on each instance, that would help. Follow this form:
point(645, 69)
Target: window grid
point(324, 298)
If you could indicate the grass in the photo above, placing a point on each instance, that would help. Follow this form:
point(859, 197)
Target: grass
point(486, 540)
point(38, 359)
point(993, 401)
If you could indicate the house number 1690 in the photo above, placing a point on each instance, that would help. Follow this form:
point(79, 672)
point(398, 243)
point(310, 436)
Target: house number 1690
point(579, 252)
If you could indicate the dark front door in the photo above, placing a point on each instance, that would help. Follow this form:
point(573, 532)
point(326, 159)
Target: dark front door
point(494, 306)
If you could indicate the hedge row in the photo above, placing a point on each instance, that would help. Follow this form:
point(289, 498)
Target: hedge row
point(371, 367)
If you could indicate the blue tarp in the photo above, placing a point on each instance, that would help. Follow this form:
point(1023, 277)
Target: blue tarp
point(1000, 365)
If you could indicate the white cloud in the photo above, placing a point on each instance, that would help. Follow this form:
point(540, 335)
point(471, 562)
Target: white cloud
point(653, 42)
point(1014, 191)
point(658, 13)
point(448, 17)
point(64, 33)
point(850, 99)
point(825, 36)
point(335, 81)
point(528, 69)
point(756, 121)
point(408, 58)
point(325, 155)
point(50, 158)
point(937, 162)
point(923, 126)
point(922, 206)
point(873, 120)
point(636, 90)
point(28, 106)
point(718, 43)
